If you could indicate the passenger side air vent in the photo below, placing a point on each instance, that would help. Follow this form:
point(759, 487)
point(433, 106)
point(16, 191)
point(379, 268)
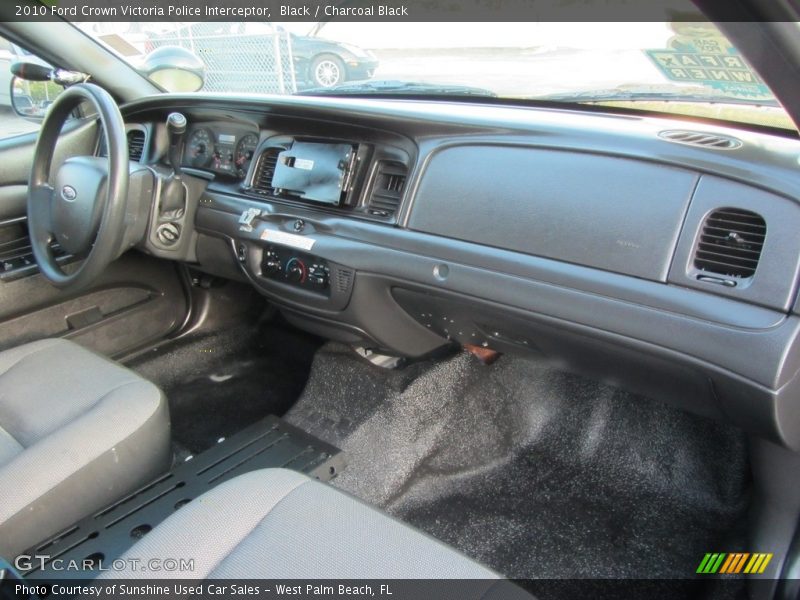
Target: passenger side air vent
point(265, 169)
point(136, 139)
point(387, 189)
point(697, 138)
point(730, 243)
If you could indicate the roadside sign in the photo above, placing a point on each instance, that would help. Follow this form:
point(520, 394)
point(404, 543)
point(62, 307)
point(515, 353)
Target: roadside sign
point(712, 61)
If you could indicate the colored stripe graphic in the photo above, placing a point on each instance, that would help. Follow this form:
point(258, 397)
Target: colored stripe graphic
point(729, 563)
point(734, 563)
point(742, 562)
point(703, 564)
point(758, 563)
point(711, 563)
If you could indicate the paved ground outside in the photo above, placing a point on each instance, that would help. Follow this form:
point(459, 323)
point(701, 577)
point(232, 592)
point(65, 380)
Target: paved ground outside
point(520, 71)
point(11, 124)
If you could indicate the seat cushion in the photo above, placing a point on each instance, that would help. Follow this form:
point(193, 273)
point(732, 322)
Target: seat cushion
point(77, 431)
point(280, 524)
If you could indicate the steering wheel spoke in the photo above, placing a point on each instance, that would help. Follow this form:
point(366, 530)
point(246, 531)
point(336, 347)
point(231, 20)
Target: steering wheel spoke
point(40, 206)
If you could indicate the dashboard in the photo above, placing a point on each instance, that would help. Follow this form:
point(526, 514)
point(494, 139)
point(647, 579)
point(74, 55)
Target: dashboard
point(655, 253)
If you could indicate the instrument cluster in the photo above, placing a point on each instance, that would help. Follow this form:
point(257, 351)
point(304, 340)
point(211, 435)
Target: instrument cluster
point(222, 149)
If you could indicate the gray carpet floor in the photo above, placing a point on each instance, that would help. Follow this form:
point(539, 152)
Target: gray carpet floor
point(530, 470)
point(220, 382)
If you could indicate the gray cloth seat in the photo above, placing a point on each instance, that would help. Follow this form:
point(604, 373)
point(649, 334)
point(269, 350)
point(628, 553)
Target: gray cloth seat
point(280, 524)
point(77, 431)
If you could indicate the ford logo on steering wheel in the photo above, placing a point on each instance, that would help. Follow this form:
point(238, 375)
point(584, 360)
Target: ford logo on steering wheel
point(69, 193)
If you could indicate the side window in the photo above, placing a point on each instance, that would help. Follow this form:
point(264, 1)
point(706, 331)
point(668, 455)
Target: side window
point(22, 103)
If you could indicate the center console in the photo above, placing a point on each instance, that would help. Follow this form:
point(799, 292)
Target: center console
point(286, 257)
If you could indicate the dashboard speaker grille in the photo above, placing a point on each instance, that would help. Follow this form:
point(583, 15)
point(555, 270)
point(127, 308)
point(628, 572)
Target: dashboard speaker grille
point(730, 243)
point(136, 139)
point(342, 280)
point(697, 138)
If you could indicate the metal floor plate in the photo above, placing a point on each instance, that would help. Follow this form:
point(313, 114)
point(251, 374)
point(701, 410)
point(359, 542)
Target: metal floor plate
point(104, 536)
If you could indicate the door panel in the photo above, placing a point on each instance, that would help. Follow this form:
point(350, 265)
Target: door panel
point(78, 137)
point(12, 199)
point(16, 256)
point(16, 155)
point(14, 245)
point(138, 301)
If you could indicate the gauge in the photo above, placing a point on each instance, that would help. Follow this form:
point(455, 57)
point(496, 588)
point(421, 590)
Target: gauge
point(244, 153)
point(223, 159)
point(200, 147)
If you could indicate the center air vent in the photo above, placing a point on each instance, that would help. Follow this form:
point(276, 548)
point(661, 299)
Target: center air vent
point(730, 243)
point(697, 138)
point(387, 189)
point(265, 169)
point(136, 139)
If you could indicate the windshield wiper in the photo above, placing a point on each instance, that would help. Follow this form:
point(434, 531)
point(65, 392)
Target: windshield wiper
point(589, 96)
point(392, 87)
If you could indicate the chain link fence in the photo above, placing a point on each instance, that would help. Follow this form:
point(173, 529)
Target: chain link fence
point(237, 61)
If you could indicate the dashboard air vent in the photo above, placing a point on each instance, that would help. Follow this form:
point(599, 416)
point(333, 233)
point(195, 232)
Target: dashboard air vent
point(387, 189)
point(730, 243)
point(697, 138)
point(136, 139)
point(265, 169)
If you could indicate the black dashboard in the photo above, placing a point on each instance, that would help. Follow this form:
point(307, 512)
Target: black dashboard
point(659, 254)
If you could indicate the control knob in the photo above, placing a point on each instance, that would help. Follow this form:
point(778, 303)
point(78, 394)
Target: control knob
point(272, 267)
point(271, 263)
point(296, 271)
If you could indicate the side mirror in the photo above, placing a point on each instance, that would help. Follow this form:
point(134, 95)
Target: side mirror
point(175, 69)
point(34, 86)
point(27, 78)
point(23, 100)
point(30, 71)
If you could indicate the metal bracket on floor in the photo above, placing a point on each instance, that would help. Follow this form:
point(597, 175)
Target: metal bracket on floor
point(379, 360)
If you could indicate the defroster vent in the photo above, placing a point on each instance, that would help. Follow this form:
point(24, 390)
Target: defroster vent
point(730, 243)
point(699, 138)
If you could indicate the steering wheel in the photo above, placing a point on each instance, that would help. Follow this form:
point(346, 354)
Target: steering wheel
point(85, 211)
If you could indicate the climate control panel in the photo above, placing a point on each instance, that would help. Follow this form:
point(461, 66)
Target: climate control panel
point(296, 268)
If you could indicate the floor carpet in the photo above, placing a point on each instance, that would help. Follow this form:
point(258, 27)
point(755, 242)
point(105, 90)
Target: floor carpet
point(530, 470)
point(219, 383)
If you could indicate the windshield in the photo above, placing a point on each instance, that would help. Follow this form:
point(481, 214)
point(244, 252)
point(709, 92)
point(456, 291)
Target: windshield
point(687, 68)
